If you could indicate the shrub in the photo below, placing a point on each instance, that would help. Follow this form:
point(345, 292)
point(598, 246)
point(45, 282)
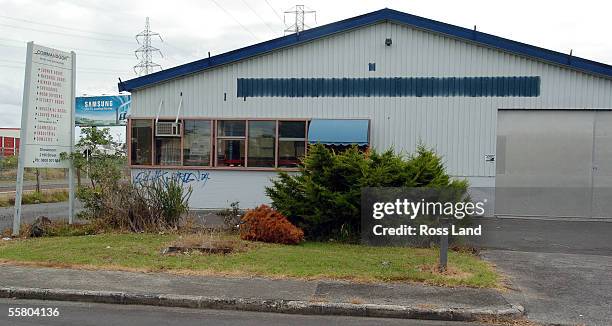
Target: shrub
point(9, 162)
point(324, 197)
point(266, 224)
point(168, 201)
point(149, 206)
point(152, 206)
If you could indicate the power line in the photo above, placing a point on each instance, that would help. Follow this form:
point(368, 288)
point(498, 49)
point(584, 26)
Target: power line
point(256, 14)
point(236, 20)
point(83, 54)
point(65, 34)
point(275, 12)
point(76, 35)
point(81, 70)
point(62, 27)
point(73, 48)
point(86, 68)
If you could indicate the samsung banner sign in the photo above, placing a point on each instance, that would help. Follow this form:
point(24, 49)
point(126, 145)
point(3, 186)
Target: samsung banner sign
point(102, 110)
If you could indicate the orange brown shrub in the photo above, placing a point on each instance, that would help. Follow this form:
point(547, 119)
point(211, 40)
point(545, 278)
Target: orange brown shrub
point(266, 224)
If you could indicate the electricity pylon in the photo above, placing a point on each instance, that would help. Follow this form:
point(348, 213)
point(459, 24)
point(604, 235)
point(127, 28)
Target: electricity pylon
point(145, 51)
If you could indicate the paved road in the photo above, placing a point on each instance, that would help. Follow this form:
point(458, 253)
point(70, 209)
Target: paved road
point(9, 186)
point(86, 314)
point(559, 288)
point(563, 269)
point(552, 236)
point(30, 212)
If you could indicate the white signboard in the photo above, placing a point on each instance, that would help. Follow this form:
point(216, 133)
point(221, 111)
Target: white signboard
point(47, 120)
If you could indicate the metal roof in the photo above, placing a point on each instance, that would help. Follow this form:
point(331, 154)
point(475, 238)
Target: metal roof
point(374, 17)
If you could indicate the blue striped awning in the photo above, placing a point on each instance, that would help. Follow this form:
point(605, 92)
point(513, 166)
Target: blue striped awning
point(339, 131)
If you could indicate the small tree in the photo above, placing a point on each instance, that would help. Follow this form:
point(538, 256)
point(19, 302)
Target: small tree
point(101, 157)
point(324, 197)
point(98, 155)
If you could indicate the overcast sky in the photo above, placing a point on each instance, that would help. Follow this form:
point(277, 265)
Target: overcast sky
point(102, 32)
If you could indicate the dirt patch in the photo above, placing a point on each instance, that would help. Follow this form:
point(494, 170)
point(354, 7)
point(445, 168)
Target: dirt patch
point(449, 272)
point(208, 243)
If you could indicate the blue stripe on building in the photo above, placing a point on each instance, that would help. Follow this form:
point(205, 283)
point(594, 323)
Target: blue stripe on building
point(513, 86)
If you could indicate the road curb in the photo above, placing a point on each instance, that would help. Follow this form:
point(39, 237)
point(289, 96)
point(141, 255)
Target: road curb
point(258, 305)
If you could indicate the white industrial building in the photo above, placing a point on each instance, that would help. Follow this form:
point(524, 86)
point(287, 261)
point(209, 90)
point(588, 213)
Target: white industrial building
point(502, 113)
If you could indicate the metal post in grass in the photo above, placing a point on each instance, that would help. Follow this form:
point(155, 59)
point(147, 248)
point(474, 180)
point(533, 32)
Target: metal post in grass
point(443, 249)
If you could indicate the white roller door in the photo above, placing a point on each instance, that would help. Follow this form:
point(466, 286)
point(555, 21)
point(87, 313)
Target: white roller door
point(554, 163)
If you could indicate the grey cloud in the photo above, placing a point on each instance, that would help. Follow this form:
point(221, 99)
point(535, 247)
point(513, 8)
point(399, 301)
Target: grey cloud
point(10, 115)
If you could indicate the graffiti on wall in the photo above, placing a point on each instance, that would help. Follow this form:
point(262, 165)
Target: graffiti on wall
point(187, 178)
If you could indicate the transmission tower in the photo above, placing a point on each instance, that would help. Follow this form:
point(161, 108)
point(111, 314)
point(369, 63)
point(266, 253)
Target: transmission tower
point(297, 14)
point(145, 52)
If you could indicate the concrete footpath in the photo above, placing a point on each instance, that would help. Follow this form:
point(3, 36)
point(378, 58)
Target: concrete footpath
point(393, 300)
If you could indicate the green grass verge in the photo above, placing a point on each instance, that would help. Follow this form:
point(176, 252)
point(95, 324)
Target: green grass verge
point(35, 197)
point(309, 260)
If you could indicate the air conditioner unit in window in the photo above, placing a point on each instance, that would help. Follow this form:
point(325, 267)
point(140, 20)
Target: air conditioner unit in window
point(168, 129)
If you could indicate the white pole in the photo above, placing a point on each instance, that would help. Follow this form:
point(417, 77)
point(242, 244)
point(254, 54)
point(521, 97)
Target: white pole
point(22, 140)
point(71, 168)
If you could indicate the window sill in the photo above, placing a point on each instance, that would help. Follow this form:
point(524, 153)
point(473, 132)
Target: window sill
point(222, 168)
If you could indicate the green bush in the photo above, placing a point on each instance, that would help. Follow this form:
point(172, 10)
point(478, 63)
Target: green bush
point(324, 197)
point(9, 162)
point(167, 199)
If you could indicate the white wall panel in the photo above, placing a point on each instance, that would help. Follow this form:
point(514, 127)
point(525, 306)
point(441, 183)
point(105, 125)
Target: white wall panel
point(462, 129)
point(215, 188)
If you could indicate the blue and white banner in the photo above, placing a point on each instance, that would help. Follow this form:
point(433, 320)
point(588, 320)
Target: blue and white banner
point(111, 110)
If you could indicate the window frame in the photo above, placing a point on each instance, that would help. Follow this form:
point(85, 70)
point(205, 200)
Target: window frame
point(287, 139)
point(246, 143)
point(213, 143)
point(217, 138)
point(128, 141)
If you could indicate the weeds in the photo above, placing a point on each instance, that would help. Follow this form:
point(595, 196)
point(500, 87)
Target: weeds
point(153, 206)
point(34, 197)
point(56, 228)
point(231, 217)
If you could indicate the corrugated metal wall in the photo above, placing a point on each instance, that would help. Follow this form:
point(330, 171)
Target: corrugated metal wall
point(463, 129)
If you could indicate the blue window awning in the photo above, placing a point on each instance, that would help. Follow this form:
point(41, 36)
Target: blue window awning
point(338, 131)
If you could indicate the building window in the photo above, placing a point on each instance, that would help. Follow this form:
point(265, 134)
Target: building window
point(262, 144)
point(197, 143)
point(141, 142)
point(291, 143)
point(231, 143)
point(219, 143)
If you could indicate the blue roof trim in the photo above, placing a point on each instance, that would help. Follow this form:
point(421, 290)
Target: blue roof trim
point(563, 59)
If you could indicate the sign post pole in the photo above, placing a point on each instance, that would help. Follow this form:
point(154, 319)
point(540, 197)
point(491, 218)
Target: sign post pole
point(71, 167)
point(443, 264)
point(23, 133)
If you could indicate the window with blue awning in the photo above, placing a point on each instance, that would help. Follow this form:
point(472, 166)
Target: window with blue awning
point(339, 131)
